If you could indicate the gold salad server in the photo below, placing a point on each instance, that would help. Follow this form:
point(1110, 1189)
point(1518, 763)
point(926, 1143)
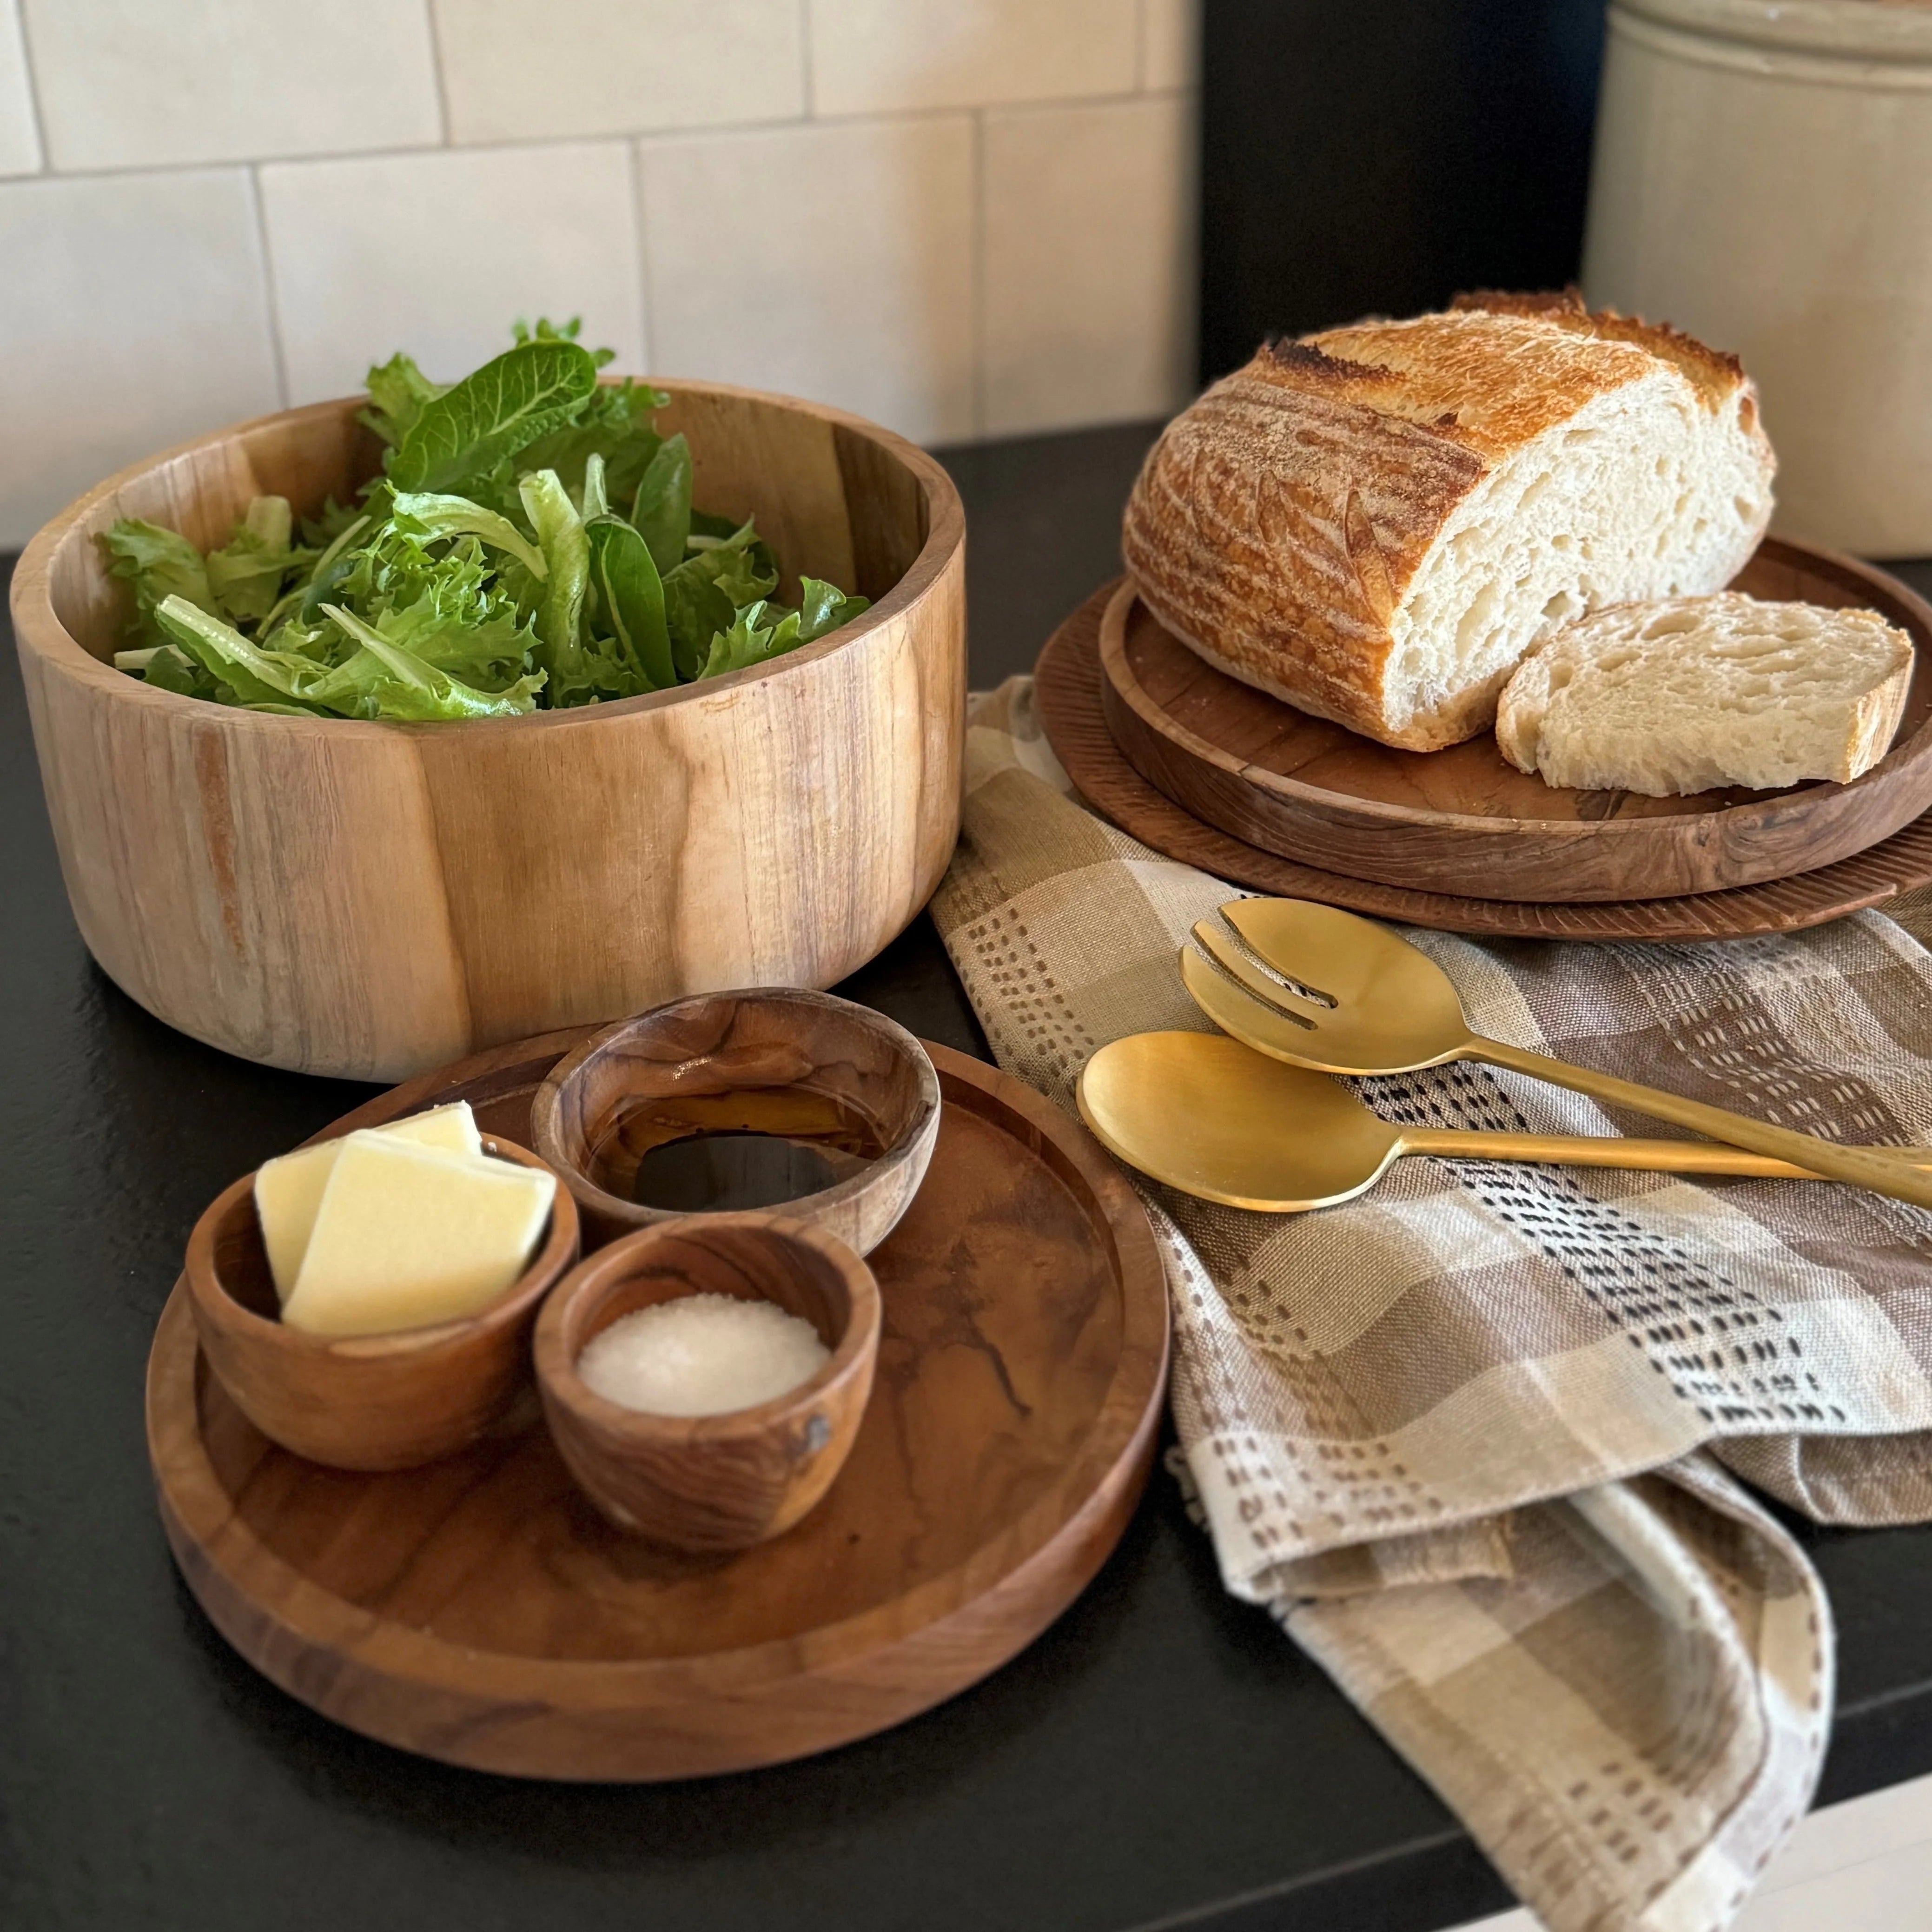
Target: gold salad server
point(1216, 1120)
point(1345, 995)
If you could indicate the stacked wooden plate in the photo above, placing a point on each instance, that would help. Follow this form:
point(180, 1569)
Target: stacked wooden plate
point(1211, 771)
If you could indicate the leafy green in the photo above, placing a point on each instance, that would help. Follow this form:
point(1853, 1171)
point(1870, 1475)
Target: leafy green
point(762, 631)
point(160, 565)
point(566, 552)
point(507, 404)
point(246, 573)
point(630, 601)
point(398, 390)
point(436, 515)
point(255, 677)
point(661, 510)
point(531, 540)
point(415, 689)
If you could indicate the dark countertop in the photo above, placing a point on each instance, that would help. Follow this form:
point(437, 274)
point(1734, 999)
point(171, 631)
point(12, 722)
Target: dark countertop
point(1163, 1756)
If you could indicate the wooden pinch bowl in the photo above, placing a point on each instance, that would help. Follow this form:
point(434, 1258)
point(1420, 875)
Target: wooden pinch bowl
point(780, 1060)
point(371, 899)
point(712, 1483)
point(363, 1402)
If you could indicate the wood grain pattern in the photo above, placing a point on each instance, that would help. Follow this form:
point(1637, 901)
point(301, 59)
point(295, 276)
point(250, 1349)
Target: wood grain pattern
point(1464, 820)
point(772, 1059)
point(369, 899)
point(481, 1611)
point(371, 1401)
point(712, 1483)
point(1067, 691)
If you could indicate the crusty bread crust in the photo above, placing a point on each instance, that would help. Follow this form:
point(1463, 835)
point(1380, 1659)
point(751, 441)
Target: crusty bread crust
point(1279, 522)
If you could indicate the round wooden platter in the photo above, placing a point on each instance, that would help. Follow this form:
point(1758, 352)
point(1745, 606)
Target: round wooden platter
point(1067, 690)
point(1465, 820)
point(479, 1610)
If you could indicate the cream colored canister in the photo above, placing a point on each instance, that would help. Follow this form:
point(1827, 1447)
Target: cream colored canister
point(1763, 179)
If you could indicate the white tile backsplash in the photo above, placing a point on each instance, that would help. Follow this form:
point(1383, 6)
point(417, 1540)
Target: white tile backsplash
point(960, 217)
point(881, 56)
point(438, 253)
point(832, 261)
point(644, 65)
point(1170, 43)
point(1088, 306)
point(134, 318)
point(20, 139)
point(134, 83)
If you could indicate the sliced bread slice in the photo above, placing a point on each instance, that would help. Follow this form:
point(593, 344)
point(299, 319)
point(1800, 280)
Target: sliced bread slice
point(1689, 694)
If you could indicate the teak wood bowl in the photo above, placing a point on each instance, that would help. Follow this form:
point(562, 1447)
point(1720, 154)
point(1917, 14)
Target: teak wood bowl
point(1464, 821)
point(371, 899)
point(724, 1482)
point(374, 1402)
point(774, 1060)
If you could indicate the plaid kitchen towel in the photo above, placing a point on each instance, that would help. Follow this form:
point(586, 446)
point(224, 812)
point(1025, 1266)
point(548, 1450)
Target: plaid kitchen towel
point(1475, 1438)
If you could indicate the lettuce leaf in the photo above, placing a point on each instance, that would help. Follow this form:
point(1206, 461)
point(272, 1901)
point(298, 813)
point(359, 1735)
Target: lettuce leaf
point(246, 574)
point(630, 602)
point(254, 675)
point(434, 514)
point(502, 408)
point(160, 564)
point(662, 509)
point(400, 684)
point(398, 390)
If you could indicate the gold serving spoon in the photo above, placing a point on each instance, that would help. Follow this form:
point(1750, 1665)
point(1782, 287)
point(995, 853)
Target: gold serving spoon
point(1216, 1120)
point(1357, 999)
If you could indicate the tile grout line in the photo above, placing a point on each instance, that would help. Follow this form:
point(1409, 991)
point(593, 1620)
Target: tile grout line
point(436, 76)
point(646, 309)
point(30, 80)
point(713, 131)
point(271, 300)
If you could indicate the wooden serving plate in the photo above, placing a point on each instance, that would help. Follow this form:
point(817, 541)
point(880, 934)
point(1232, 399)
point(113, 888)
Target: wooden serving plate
point(1067, 690)
point(479, 1610)
point(1465, 820)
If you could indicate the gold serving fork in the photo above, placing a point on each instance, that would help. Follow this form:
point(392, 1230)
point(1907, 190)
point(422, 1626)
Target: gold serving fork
point(1344, 995)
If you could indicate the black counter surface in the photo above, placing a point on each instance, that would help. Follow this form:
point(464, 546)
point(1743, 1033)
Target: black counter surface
point(1163, 1756)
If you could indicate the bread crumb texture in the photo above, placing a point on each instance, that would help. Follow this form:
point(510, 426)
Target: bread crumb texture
point(1692, 694)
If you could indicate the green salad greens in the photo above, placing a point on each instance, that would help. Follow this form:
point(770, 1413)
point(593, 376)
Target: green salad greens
point(530, 543)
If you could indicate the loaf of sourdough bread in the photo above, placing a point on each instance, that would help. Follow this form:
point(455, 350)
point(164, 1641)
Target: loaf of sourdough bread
point(1694, 693)
point(1377, 523)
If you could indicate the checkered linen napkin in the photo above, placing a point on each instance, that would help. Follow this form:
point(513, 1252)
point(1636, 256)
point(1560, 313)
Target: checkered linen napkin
point(1475, 1438)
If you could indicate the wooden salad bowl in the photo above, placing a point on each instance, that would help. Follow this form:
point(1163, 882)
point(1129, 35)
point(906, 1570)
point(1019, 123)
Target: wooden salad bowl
point(369, 899)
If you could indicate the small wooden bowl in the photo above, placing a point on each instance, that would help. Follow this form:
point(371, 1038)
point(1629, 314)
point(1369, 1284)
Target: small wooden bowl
point(372, 1402)
point(774, 1060)
point(712, 1482)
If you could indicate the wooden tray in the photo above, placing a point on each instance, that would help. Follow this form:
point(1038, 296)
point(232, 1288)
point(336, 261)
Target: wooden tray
point(1067, 690)
point(479, 1611)
point(1465, 820)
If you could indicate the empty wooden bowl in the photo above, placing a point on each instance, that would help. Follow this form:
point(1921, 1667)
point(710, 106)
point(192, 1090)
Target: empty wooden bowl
point(371, 899)
point(712, 1482)
point(844, 1083)
point(372, 1402)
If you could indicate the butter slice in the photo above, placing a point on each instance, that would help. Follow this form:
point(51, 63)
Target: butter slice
point(408, 1235)
point(289, 1190)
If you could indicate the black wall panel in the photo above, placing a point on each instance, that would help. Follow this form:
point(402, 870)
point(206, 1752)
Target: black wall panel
point(1363, 157)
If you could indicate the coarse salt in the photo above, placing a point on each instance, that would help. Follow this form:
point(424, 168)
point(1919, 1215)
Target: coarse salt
point(702, 1354)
